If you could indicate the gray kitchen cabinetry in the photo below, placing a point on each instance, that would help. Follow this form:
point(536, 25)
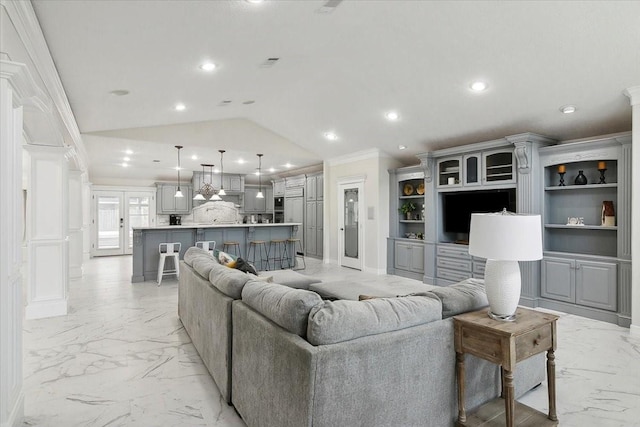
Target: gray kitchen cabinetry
point(313, 223)
point(578, 281)
point(167, 203)
point(409, 256)
point(278, 188)
point(294, 212)
point(254, 205)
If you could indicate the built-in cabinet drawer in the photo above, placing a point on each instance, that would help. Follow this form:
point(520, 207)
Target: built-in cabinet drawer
point(454, 264)
point(453, 276)
point(456, 251)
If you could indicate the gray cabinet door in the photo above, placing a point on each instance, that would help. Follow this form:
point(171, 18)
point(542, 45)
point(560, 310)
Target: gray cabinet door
point(278, 188)
point(235, 183)
point(558, 279)
point(311, 188)
point(268, 198)
point(166, 199)
point(596, 284)
point(403, 256)
point(250, 199)
point(319, 229)
point(294, 212)
point(417, 258)
point(310, 229)
point(320, 187)
point(183, 204)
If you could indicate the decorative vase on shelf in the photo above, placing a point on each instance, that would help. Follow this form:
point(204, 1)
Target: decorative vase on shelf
point(580, 179)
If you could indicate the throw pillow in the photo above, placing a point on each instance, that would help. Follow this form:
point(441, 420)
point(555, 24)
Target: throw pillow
point(225, 259)
point(244, 266)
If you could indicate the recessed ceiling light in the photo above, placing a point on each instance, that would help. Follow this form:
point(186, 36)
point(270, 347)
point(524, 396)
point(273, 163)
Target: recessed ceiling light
point(255, 1)
point(119, 92)
point(124, 165)
point(216, 170)
point(392, 116)
point(180, 107)
point(178, 168)
point(194, 157)
point(208, 66)
point(241, 161)
point(126, 159)
point(288, 165)
point(402, 147)
point(129, 152)
point(478, 86)
point(272, 170)
point(331, 136)
point(568, 109)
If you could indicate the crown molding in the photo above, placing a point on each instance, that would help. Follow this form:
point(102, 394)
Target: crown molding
point(373, 153)
point(26, 23)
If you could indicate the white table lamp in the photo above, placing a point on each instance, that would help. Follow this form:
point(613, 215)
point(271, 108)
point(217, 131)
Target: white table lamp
point(504, 238)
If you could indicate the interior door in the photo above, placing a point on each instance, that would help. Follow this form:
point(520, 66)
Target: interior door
point(109, 223)
point(116, 213)
point(351, 238)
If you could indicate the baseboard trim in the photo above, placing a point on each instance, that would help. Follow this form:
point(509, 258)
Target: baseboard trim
point(16, 414)
point(75, 272)
point(43, 309)
point(634, 330)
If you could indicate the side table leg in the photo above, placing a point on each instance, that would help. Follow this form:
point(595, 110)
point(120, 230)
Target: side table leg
point(462, 415)
point(551, 379)
point(509, 403)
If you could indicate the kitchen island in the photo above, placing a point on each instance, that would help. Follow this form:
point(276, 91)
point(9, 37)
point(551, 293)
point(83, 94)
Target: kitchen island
point(147, 239)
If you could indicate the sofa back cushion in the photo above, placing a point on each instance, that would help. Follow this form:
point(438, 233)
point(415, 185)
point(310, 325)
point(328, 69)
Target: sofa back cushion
point(193, 253)
point(343, 320)
point(468, 295)
point(228, 280)
point(288, 307)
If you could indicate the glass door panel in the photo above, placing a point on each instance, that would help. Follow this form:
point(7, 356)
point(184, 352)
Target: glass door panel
point(138, 216)
point(351, 240)
point(351, 223)
point(109, 223)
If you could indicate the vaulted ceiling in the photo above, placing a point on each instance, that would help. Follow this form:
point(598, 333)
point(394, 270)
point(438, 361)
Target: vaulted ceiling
point(341, 66)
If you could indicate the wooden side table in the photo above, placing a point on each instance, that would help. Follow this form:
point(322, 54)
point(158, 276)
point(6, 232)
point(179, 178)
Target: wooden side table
point(506, 344)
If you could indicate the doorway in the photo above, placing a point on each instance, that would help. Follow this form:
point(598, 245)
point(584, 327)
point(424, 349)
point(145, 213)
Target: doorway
point(115, 215)
point(350, 210)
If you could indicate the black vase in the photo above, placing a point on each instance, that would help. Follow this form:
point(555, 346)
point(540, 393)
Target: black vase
point(580, 179)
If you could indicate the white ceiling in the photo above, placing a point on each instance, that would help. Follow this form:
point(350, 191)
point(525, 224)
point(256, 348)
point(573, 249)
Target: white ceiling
point(337, 72)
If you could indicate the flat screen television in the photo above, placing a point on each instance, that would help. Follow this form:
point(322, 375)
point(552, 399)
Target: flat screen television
point(458, 207)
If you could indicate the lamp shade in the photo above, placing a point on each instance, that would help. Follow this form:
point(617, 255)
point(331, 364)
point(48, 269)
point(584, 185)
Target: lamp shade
point(506, 236)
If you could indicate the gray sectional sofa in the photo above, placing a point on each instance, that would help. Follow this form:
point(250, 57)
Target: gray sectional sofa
point(285, 357)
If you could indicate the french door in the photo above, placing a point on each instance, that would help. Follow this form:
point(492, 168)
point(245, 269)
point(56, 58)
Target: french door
point(351, 238)
point(115, 215)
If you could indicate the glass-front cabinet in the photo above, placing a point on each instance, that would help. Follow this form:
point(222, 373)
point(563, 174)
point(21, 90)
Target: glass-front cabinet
point(499, 167)
point(472, 169)
point(449, 172)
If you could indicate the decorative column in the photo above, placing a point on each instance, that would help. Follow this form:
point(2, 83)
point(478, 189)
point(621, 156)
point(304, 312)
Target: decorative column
point(47, 231)
point(634, 95)
point(529, 200)
point(75, 224)
point(86, 217)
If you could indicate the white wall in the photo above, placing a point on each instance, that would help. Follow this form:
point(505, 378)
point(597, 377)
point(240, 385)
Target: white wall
point(374, 165)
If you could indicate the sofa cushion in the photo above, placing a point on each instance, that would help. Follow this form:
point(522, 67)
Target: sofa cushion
point(344, 320)
point(194, 253)
point(291, 278)
point(203, 265)
point(467, 295)
point(229, 281)
point(288, 307)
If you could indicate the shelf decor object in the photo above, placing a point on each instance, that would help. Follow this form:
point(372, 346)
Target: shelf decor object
point(608, 214)
point(504, 238)
point(178, 192)
point(408, 189)
point(580, 179)
point(407, 208)
point(562, 169)
point(602, 167)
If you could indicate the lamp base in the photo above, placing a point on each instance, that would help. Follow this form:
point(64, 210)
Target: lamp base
point(502, 317)
point(502, 283)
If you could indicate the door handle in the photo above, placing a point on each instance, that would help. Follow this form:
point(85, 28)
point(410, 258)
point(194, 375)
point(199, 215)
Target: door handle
point(121, 222)
point(342, 229)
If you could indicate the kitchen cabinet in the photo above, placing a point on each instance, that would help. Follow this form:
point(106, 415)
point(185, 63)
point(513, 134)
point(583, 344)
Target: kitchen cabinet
point(254, 205)
point(278, 188)
point(294, 212)
point(168, 204)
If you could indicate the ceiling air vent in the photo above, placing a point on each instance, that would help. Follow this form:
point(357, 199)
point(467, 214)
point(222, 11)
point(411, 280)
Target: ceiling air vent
point(329, 6)
point(224, 103)
point(270, 62)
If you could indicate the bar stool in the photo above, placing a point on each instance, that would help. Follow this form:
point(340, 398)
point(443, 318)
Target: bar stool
point(277, 252)
point(262, 249)
point(207, 245)
point(297, 252)
point(228, 245)
point(169, 250)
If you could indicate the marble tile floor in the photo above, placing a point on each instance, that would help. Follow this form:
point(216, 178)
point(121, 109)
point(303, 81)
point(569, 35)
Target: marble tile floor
point(122, 358)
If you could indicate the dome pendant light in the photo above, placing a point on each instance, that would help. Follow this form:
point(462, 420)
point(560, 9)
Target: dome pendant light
point(221, 192)
point(215, 197)
point(259, 195)
point(178, 192)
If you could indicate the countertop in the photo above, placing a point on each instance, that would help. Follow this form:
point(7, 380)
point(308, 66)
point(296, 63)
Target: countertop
point(173, 227)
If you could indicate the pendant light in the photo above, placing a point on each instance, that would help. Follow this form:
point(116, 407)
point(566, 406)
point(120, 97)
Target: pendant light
point(215, 197)
point(178, 192)
point(259, 195)
point(221, 192)
point(203, 192)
